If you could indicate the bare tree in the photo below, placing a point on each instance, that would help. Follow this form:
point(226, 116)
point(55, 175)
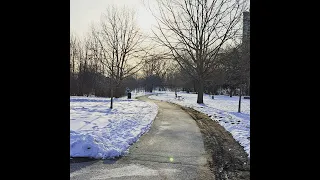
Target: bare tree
point(194, 31)
point(73, 53)
point(154, 70)
point(236, 64)
point(86, 71)
point(121, 43)
point(155, 65)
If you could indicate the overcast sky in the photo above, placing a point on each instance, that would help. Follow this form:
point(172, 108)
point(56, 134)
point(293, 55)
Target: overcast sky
point(83, 12)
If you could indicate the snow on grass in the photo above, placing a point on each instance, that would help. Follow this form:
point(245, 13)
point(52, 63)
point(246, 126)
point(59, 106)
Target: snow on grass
point(136, 93)
point(223, 109)
point(100, 132)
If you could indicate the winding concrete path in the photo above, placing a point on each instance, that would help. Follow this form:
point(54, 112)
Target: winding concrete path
point(172, 149)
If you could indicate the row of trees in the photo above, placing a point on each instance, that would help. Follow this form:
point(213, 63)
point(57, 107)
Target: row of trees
point(106, 60)
point(232, 72)
point(199, 50)
point(194, 33)
point(88, 75)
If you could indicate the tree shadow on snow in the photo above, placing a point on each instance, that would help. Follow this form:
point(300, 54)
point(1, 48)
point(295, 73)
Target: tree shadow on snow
point(89, 100)
point(241, 115)
point(201, 105)
point(103, 111)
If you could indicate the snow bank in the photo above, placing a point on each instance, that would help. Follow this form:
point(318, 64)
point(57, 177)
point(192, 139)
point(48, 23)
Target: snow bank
point(100, 132)
point(223, 109)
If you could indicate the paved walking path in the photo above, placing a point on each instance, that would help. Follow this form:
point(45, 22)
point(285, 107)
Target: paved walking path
point(172, 149)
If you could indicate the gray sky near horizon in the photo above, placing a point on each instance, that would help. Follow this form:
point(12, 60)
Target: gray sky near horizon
point(84, 12)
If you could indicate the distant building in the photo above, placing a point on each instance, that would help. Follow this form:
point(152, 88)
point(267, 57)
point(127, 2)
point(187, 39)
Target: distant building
point(246, 28)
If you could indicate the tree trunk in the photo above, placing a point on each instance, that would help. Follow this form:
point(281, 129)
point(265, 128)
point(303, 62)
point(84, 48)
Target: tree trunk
point(200, 92)
point(117, 92)
point(111, 92)
point(111, 104)
point(239, 107)
point(230, 92)
point(151, 88)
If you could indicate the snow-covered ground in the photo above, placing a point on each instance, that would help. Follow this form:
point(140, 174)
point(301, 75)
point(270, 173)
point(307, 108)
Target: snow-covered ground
point(136, 93)
point(100, 132)
point(223, 109)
